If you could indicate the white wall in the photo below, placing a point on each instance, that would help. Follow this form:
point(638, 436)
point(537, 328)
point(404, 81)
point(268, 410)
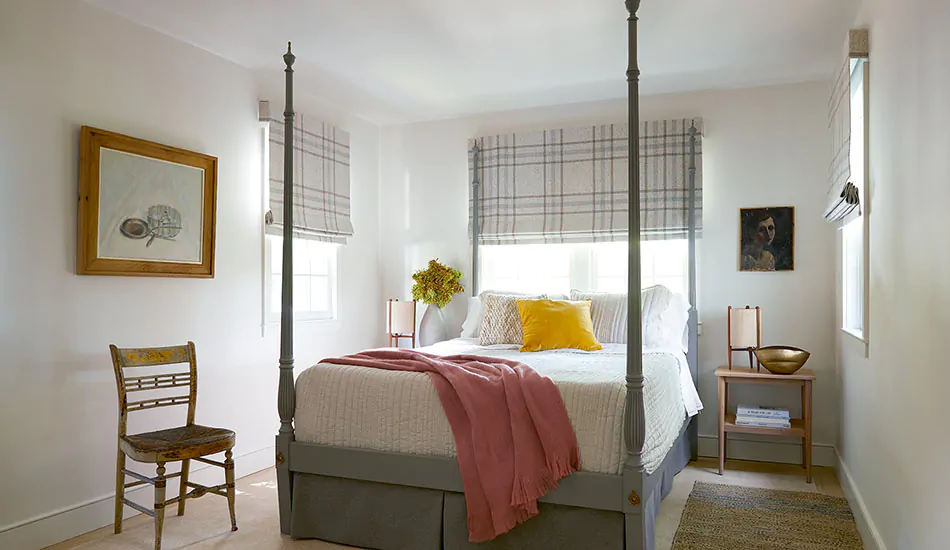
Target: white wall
point(64, 64)
point(894, 443)
point(762, 147)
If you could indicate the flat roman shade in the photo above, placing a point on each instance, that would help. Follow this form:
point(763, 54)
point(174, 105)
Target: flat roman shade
point(321, 178)
point(843, 200)
point(570, 185)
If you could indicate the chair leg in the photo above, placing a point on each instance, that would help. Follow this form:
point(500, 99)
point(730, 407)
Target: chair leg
point(120, 490)
point(159, 504)
point(229, 479)
point(183, 490)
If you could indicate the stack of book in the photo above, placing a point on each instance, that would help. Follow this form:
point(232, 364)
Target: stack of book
point(763, 417)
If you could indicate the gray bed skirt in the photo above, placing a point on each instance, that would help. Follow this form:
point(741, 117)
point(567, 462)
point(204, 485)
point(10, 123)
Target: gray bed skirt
point(397, 517)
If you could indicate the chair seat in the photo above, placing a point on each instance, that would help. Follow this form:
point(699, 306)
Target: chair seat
point(176, 443)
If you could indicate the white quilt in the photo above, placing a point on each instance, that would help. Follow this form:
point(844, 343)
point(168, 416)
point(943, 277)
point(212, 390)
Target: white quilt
point(400, 412)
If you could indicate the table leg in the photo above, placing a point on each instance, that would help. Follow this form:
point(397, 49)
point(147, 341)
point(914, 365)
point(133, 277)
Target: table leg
point(807, 415)
point(804, 407)
point(722, 425)
point(725, 411)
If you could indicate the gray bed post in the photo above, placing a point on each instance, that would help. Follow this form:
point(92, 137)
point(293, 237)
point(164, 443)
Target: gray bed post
point(285, 389)
point(634, 422)
point(476, 151)
point(693, 350)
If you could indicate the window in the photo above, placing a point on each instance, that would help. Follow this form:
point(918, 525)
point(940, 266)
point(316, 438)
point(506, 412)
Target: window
point(661, 263)
point(854, 234)
point(314, 278)
point(557, 268)
point(528, 267)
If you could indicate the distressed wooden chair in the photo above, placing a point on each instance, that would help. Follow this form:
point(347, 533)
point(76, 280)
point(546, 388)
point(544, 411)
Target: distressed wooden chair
point(189, 442)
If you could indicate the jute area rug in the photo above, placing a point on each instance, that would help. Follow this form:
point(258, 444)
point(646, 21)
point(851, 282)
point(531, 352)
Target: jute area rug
point(728, 517)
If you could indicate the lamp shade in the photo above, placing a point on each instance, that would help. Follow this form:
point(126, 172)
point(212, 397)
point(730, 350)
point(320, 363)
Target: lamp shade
point(400, 317)
point(744, 328)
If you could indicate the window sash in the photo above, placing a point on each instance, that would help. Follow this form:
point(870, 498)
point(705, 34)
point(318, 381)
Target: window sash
point(315, 279)
point(592, 266)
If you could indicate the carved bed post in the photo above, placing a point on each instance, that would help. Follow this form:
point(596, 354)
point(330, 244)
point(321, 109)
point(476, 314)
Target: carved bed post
point(633, 419)
point(285, 389)
point(693, 350)
point(476, 151)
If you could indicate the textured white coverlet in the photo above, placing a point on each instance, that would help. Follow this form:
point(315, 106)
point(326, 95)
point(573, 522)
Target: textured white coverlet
point(399, 411)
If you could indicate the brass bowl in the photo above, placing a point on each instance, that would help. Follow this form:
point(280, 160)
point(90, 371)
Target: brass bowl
point(782, 359)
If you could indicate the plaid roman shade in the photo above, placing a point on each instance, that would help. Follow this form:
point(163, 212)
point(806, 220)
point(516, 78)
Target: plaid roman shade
point(321, 179)
point(843, 197)
point(570, 185)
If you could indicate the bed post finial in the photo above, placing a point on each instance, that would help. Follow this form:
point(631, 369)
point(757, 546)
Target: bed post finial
point(289, 57)
point(632, 6)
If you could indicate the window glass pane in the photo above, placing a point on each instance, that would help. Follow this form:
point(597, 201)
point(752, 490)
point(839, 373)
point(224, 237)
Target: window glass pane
point(611, 284)
point(557, 268)
point(669, 257)
point(320, 294)
point(853, 274)
point(611, 259)
point(301, 293)
point(274, 244)
point(320, 254)
point(302, 251)
point(526, 268)
point(275, 288)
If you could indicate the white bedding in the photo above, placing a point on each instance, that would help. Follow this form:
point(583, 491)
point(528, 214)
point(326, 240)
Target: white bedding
point(399, 411)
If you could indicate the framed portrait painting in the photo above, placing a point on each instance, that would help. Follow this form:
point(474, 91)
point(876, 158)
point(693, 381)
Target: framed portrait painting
point(767, 239)
point(145, 209)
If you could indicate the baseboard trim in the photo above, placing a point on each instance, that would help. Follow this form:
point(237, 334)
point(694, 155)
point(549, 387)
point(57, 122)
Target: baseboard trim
point(71, 521)
point(785, 452)
point(869, 533)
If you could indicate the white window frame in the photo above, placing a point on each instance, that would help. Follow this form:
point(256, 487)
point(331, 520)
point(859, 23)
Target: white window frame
point(272, 304)
point(583, 268)
point(860, 277)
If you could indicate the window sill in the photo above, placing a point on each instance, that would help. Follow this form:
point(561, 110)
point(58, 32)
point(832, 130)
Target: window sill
point(856, 342)
point(856, 334)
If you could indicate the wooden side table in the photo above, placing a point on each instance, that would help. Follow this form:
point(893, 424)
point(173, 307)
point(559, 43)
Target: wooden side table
point(801, 427)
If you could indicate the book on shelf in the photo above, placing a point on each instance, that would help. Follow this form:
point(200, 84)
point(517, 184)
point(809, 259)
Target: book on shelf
point(763, 422)
point(762, 412)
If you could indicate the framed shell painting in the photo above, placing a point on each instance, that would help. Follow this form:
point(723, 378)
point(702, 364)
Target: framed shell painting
point(145, 209)
point(767, 239)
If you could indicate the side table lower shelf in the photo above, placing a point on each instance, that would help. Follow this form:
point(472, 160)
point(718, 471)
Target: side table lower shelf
point(797, 429)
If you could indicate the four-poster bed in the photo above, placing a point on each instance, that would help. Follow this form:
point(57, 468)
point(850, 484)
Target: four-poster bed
point(389, 494)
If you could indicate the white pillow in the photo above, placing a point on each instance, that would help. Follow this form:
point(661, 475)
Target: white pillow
point(473, 319)
point(665, 314)
point(608, 313)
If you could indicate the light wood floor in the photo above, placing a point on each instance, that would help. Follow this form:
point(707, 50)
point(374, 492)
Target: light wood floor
point(206, 523)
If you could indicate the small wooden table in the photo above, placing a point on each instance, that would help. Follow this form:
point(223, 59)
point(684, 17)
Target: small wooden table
point(801, 427)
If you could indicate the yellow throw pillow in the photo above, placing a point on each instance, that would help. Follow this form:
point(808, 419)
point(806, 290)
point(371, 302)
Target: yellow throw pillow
point(557, 324)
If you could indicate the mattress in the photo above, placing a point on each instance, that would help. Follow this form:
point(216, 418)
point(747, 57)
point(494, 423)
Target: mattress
point(397, 411)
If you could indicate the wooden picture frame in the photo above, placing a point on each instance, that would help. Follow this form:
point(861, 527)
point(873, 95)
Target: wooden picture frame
point(145, 209)
point(767, 238)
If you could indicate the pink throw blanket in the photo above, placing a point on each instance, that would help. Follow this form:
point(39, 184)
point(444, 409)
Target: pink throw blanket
point(514, 438)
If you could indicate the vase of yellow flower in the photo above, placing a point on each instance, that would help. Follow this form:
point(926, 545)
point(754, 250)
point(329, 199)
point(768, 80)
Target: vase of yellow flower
point(435, 285)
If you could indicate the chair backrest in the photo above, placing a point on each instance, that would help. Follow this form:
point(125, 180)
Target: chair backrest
point(137, 361)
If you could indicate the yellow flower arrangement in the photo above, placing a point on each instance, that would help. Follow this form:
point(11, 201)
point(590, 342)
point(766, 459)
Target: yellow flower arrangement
point(436, 284)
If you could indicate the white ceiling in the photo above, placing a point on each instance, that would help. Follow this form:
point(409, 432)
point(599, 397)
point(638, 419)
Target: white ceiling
point(398, 61)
